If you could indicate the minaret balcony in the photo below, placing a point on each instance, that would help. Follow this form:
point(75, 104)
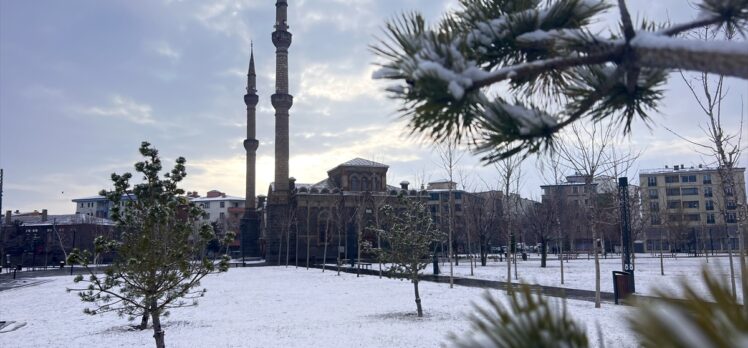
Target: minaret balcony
point(251, 99)
point(281, 100)
point(251, 144)
point(281, 39)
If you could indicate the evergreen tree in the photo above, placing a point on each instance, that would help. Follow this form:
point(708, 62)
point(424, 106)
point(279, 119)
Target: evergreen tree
point(161, 254)
point(408, 239)
point(556, 69)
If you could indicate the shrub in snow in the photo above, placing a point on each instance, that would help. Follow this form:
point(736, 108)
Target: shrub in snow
point(408, 239)
point(160, 254)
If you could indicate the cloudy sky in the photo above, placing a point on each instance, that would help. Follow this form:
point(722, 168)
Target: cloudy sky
point(82, 83)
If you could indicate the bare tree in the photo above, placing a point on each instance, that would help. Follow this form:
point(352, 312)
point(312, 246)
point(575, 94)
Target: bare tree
point(585, 152)
point(723, 144)
point(509, 172)
point(553, 173)
point(450, 155)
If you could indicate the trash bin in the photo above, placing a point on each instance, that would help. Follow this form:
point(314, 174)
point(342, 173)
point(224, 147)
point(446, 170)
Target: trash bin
point(62, 264)
point(621, 285)
point(524, 256)
point(19, 267)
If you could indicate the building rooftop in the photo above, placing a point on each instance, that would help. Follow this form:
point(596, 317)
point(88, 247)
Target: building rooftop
point(360, 162)
point(219, 198)
point(681, 169)
point(64, 219)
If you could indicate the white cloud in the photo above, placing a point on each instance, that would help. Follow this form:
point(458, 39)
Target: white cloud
point(226, 17)
point(164, 49)
point(319, 80)
point(125, 109)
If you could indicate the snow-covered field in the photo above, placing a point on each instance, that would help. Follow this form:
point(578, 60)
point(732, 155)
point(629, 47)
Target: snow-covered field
point(278, 307)
point(580, 273)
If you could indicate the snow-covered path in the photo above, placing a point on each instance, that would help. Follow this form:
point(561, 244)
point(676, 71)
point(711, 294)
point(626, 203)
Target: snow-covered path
point(277, 307)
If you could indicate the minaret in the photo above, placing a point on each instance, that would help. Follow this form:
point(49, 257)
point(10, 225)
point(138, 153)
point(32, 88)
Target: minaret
point(250, 222)
point(281, 100)
point(251, 144)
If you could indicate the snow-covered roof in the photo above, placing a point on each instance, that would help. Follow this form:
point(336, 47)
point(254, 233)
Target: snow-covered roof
point(360, 162)
point(219, 198)
point(99, 198)
point(680, 169)
point(64, 219)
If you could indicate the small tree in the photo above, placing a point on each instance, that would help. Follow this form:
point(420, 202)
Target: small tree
point(410, 235)
point(161, 254)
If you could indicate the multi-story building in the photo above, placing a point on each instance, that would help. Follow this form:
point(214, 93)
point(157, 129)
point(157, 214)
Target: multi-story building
point(218, 206)
point(37, 239)
point(686, 209)
point(96, 206)
point(570, 199)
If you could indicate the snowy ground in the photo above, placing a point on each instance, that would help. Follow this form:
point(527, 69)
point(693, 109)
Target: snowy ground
point(580, 273)
point(278, 307)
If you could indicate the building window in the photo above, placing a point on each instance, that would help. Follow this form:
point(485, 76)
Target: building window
point(731, 205)
point(710, 218)
point(671, 179)
point(675, 191)
point(654, 206)
point(655, 219)
point(434, 196)
point(653, 193)
point(691, 204)
point(689, 191)
point(223, 204)
point(707, 191)
point(692, 217)
point(673, 204)
point(355, 184)
point(458, 195)
point(365, 184)
point(709, 205)
point(707, 179)
point(206, 216)
point(236, 205)
point(731, 218)
point(652, 181)
point(675, 217)
point(458, 207)
point(728, 191)
point(574, 189)
point(221, 216)
point(688, 178)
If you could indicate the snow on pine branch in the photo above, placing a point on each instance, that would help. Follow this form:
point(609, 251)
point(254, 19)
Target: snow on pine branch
point(728, 58)
point(528, 121)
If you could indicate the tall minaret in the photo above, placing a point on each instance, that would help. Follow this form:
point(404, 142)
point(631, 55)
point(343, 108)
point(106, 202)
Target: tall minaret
point(250, 222)
point(281, 100)
point(251, 144)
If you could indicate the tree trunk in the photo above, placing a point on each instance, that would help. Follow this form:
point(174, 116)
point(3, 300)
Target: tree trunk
point(597, 272)
point(418, 297)
point(732, 268)
point(509, 264)
point(144, 320)
point(543, 253)
point(662, 263)
point(158, 334)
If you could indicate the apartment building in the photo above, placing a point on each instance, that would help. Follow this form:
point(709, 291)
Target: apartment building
point(686, 209)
